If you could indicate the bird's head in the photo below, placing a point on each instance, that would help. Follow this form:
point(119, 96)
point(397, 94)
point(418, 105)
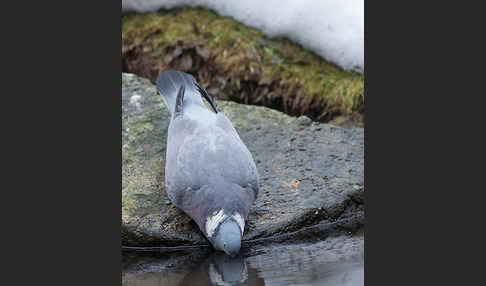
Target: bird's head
point(224, 229)
point(227, 237)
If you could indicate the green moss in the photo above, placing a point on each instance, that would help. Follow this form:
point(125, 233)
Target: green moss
point(305, 83)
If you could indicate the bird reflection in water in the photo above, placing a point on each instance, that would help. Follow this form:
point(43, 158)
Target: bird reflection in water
point(221, 269)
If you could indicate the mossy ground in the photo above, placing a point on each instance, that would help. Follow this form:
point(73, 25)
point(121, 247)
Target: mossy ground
point(240, 63)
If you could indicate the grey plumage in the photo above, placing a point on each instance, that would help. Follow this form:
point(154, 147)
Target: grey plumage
point(210, 174)
point(169, 84)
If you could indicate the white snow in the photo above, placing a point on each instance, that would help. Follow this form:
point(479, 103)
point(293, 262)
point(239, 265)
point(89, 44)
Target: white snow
point(333, 29)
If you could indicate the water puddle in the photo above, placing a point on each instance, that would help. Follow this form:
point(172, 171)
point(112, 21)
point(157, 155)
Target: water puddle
point(335, 261)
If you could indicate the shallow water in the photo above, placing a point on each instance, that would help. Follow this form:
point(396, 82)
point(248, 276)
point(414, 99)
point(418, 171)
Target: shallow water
point(335, 261)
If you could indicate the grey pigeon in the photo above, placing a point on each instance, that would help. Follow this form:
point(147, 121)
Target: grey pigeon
point(209, 172)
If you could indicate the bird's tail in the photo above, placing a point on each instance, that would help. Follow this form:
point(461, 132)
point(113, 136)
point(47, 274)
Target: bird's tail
point(170, 82)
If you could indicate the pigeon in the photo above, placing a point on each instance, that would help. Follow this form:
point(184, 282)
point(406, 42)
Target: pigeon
point(209, 174)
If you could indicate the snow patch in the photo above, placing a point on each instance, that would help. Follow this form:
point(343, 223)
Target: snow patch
point(333, 29)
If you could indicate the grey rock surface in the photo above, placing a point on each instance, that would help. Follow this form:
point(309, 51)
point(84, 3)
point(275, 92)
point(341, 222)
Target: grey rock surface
point(309, 172)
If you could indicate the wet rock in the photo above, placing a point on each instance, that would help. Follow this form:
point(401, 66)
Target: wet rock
point(309, 173)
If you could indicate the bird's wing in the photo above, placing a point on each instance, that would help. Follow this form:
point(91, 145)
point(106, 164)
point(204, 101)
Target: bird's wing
point(199, 155)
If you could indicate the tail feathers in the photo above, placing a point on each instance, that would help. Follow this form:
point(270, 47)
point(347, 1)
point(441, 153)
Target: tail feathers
point(211, 101)
point(179, 101)
point(170, 82)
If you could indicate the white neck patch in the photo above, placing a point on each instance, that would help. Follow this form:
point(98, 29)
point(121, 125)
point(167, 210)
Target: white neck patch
point(239, 219)
point(213, 221)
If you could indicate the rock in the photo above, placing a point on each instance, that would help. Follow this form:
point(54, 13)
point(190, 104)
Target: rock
point(309, 173)
point(303, 120)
